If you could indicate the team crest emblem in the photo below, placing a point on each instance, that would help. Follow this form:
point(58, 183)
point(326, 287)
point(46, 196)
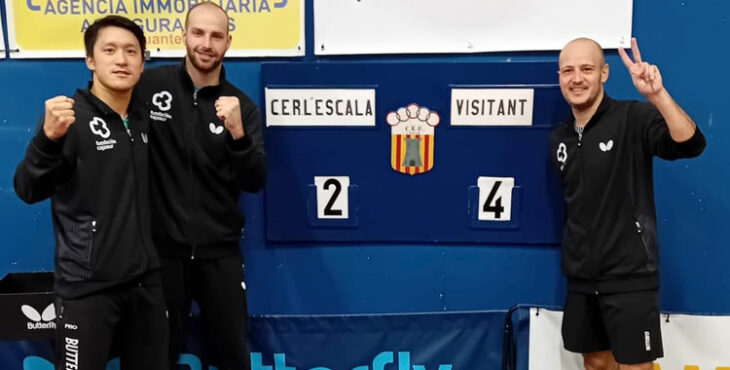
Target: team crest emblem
point(412, 139)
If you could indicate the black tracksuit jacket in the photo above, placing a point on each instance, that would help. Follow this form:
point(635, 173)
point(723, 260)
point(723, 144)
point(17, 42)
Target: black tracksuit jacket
point(96, 177)
point(610, 234)
point(197, 170)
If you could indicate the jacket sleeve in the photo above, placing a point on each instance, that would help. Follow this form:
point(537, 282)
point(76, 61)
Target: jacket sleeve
point(43, 169)
point(247, 155)
point(553, 149)
point(657, 139)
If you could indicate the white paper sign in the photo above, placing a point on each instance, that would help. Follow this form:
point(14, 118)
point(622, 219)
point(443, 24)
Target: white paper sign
point(495, 198)
point(492, 107)
point(332, 197)
point(466, 26)
point(320, 107)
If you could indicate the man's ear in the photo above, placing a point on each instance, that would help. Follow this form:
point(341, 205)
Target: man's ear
point(90, 64)
point(604, 73)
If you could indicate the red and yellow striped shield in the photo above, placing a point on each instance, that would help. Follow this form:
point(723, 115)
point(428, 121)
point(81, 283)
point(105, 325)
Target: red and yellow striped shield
point(399, 145)
point(412, 139)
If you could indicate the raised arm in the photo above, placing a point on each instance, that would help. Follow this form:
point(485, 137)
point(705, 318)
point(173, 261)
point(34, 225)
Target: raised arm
point(44, 167)
point(648, 81)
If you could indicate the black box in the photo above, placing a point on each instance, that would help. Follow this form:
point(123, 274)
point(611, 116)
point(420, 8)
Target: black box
point(26, 306)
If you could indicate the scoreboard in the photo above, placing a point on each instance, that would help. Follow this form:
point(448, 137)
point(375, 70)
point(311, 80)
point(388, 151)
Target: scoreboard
point(412, 152)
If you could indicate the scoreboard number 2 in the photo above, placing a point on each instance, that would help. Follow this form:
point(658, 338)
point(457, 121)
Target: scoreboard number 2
point(495, 198)
point(332, 197)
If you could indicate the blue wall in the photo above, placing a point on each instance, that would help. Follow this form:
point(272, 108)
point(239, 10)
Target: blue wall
point(687, 39)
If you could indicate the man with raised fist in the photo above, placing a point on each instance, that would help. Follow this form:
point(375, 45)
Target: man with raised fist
point(206, 148)
point(90, 157)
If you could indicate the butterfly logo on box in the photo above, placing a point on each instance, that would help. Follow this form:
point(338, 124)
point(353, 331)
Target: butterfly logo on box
point(412, 139)
point(40, 320)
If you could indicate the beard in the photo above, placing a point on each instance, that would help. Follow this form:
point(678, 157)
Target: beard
point(200, 66)
point(589, 102)
point(583, 102)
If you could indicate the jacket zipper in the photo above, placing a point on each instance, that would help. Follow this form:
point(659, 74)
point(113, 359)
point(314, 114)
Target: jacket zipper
point(190, 170)
point(90, 261)
point(136, 199)
point(582, 180)
point(640, 232)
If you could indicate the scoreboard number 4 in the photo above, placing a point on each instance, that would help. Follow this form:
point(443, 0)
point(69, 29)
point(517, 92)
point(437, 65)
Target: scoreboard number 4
point(495, 198)
point(332, 197)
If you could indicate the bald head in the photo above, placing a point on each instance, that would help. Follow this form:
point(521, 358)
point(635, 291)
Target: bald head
point(583, 71)
point(207, 5)
point(206, 40)
point(585, 46)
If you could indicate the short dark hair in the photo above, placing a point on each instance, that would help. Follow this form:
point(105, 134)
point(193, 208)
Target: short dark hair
point(92, 32)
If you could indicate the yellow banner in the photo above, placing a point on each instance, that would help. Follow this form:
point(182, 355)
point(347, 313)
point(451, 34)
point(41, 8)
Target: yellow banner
point(2, 41)
point(54, 28)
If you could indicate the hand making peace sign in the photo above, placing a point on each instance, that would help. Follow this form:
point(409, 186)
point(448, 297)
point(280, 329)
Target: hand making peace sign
point(646, 77)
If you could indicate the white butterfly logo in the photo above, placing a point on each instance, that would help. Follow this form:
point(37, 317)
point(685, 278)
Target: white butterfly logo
point(606, 146)
point(49, 314)
point(215, 129)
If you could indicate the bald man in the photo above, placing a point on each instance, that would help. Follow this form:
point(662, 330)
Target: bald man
point(206, 148)
point(603, 155)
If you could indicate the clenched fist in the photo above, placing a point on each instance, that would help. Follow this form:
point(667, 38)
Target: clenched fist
point(228, 109)
point(59, 117)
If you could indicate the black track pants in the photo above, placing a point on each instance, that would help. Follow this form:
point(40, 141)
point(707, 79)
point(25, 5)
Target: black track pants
point(132, 317)
point(218, 286)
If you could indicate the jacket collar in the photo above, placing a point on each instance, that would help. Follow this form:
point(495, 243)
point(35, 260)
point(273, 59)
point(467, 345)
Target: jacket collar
point(135, 104)
point(603, 106)
point(183, 71)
